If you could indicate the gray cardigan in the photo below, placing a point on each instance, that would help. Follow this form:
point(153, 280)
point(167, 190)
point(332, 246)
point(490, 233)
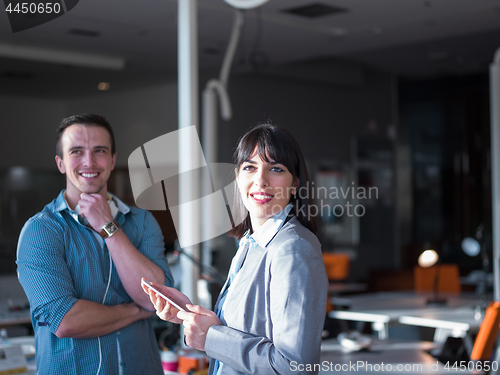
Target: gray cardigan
point(275, 309)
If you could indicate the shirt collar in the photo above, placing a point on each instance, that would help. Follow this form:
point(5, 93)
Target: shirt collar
point(122, 207)
point(61, 205)
point(268, 230)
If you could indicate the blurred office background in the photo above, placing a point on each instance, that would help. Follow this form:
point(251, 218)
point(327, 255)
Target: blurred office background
point(385, 94)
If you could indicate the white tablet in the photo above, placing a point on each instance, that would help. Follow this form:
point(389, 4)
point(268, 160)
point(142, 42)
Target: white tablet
point(179, 305)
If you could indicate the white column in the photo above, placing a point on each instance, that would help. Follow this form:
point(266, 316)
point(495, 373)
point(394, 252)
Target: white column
point(495, 168)
point(216, 90)
point(189, 186)
point(209, 131)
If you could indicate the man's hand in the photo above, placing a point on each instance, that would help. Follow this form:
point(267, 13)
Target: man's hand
point(129, 262)
point(144, 314)
point(164, 309)
point(196, 324)
point(96, 209)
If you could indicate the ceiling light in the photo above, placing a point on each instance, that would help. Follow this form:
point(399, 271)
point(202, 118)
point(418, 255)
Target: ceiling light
point(61, 57)
point(103, 86)
point(338, 31)
point(211, 51)
point(82, 32)
point(315, 10)
point(438, 56)
point(18, 75)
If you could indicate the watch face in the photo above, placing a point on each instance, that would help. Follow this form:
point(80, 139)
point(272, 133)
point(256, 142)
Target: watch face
point(110, 228)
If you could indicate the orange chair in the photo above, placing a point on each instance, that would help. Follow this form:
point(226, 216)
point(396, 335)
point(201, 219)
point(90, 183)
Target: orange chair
point(337, 266)
point(329, 306)
point(337, 269)
point(449, 278)
point(487, 335)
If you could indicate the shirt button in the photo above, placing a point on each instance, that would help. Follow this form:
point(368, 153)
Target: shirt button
point(118, 333)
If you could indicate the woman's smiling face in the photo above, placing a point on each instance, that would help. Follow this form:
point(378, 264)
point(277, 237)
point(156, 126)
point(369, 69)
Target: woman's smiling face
point(265, 188)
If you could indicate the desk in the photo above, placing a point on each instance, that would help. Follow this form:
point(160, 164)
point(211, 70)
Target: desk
point(336, 288)
point(388, 356)
point(27, 344)
point(382, 309)
point(9, 318)
point(460, 322)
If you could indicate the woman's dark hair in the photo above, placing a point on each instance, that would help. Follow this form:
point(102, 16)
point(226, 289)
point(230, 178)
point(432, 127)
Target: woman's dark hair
point(86, 120)
point(277, 144)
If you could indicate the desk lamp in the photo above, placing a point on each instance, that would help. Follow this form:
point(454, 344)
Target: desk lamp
point(428, 259)
point(473, 247)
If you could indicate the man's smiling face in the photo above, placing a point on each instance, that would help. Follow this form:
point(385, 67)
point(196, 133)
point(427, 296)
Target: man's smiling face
point(87, 160)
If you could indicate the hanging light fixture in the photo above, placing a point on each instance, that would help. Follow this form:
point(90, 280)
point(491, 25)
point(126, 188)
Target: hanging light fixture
point(246, 4)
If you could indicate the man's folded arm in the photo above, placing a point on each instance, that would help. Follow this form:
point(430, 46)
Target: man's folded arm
point(146, 260)
point(88, 319)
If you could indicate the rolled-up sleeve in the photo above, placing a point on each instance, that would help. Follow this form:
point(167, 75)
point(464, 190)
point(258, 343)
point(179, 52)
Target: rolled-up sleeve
point(153, 246)
point(43, 272)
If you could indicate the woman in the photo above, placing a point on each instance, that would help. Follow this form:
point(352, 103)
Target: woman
point(270, 313)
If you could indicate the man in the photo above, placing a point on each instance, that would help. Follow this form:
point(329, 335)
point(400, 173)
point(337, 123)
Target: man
point(81, 260)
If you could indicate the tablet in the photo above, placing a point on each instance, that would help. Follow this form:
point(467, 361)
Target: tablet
point(179, 305)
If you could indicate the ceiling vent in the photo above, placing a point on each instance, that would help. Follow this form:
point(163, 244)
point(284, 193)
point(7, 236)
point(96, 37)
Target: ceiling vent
point(211, 51)
point(18, 75)
point(315, 10)
point(82, 32)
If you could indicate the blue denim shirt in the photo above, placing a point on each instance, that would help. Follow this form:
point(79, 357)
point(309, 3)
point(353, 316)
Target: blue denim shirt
point(59, 261)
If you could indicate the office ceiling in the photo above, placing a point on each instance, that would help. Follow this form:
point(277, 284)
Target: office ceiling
point(412, 38)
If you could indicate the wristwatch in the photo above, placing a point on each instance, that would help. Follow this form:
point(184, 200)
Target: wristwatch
point(109, 229)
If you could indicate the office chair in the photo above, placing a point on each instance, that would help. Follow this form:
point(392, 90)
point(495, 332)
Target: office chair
point(487, 335)
point(449, 278)
point(337, 269)
point(337, 266)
